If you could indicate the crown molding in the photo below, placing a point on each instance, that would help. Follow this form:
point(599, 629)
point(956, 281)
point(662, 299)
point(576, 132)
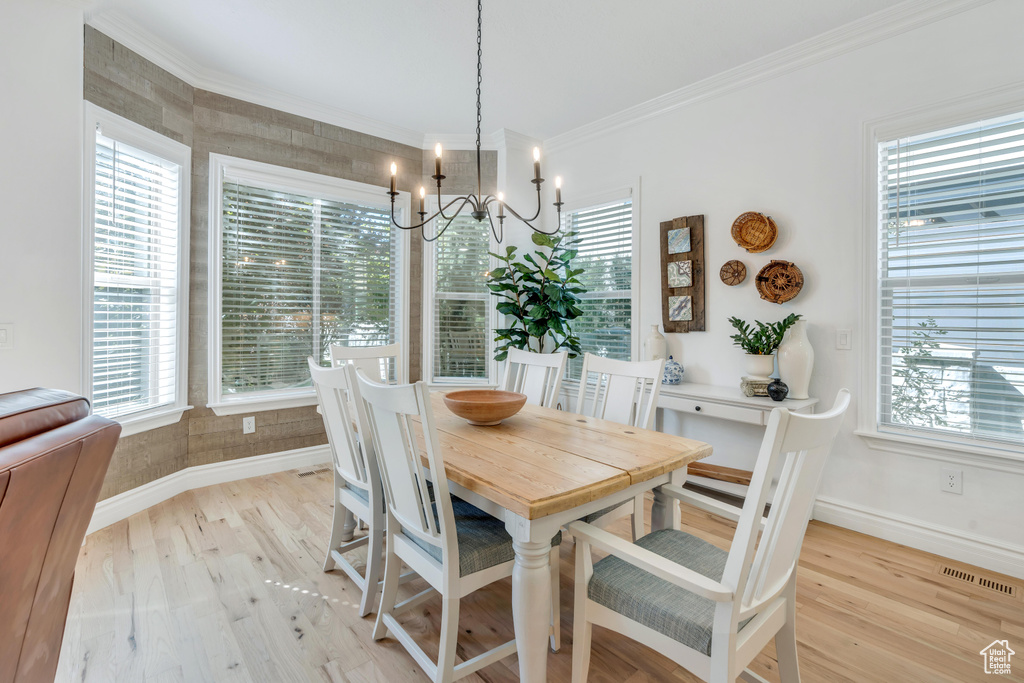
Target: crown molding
point(135, 38)
point(871, 29)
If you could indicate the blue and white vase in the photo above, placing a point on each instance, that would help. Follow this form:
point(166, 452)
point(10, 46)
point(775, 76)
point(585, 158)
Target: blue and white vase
point(673, 372)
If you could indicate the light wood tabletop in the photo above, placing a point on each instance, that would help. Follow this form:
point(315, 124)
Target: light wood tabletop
point(542, 461)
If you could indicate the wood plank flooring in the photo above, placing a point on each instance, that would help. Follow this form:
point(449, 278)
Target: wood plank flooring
point(225, 584)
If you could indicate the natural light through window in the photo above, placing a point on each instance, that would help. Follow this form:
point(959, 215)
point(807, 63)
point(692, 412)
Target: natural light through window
point(952, 282)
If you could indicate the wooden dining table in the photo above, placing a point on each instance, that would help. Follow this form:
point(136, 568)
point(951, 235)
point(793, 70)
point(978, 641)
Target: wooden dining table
point(543, 468)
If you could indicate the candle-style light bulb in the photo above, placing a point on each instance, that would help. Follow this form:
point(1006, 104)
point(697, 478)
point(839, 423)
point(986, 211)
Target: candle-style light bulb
point(423, 194)
point(501, 206)
point(558, 189)
point(437, 159)
point(536, 153)
point(536, 166)
point(394, 174)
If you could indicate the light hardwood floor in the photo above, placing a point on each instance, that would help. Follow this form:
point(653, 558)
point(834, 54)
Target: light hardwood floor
point(225, 584)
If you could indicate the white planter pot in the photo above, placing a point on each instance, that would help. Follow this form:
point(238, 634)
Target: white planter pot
point(655, 345)
point(796, 360)
point(759, 366)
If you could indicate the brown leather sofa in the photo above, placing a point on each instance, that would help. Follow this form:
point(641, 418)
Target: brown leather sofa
point(53, 457)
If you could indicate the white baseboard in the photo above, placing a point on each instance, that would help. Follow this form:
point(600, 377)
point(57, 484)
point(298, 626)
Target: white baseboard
point(124, 505)
point(957, 545)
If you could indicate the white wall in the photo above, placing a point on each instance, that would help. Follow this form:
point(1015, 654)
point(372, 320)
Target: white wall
point(40, 192)
point(792, 147)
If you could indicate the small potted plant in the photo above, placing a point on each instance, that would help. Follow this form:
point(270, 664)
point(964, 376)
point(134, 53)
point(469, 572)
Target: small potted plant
point(759, 341)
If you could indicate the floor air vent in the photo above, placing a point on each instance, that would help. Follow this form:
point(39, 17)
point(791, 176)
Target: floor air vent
point(984, 582)
point(310, 473)
point(997, 586)
point(954, 573)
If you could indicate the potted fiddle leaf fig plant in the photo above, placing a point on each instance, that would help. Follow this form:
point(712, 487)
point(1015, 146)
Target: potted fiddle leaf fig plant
point(760, 341)
point(540, 295)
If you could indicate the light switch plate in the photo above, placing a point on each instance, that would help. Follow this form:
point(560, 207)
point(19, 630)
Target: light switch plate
point(844, 340)
point(6, 335)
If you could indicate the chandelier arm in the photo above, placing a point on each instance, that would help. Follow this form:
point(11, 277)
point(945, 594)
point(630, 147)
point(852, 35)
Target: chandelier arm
point(498, 233)
point(421, 224)
point(529, 221)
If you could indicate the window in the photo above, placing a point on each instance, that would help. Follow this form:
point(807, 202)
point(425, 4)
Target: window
point(303, 261)
point(951, 290)
point(459, 338)
point(137, 189)
point(604, 241)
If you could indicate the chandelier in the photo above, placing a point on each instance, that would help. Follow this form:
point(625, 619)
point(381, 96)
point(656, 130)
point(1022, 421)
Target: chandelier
point(480, 206)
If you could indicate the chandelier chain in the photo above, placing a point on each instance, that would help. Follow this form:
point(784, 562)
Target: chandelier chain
point(479, 64)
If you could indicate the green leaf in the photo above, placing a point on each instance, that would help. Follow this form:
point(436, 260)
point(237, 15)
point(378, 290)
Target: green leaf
point(542, 240)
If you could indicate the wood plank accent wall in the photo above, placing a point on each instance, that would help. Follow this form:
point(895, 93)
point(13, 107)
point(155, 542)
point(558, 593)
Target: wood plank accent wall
point(125, 83)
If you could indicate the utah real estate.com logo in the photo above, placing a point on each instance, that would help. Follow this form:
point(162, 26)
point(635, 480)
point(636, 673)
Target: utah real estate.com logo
point(997, 657)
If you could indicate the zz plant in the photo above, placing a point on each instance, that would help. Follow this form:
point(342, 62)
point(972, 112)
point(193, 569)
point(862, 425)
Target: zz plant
point(763, 339)
point(540, 296)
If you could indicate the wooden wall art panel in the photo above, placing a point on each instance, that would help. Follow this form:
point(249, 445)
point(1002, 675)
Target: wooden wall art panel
point(682, 274)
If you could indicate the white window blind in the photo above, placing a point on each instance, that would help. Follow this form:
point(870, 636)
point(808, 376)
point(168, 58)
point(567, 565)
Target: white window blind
point(135, 269)
point(298, 273)
point(952, 282)
point(604, 242)
point(463, 319)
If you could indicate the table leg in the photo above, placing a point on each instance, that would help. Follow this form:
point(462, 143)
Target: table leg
point(531, 607)
point(665, 511)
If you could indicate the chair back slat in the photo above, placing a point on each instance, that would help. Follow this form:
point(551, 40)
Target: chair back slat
point(625, 392)
point(538, 375)
point(332, 390)
point(799, 445)
point(391, 415)
point(380, 363)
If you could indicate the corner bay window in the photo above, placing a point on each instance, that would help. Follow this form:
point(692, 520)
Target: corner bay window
point(138, 190)
point(951, 265)
point(461, 313)
point(306, 261)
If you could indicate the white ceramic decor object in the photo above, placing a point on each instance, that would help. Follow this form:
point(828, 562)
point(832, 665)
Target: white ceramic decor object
point(760, 366)
point(796, 360)
point(655, 345)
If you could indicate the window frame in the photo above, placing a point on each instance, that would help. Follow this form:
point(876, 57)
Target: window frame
point(620, 193)
point(429, 299)
point(940, 447)
point(130, 133)
point(303, 182)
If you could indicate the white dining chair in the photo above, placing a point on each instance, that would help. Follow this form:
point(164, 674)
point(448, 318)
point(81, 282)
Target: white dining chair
point(357, 492)
point(625, 392)
point(454, 546)
point(709, 610)
point(382, 363)
point(538, 375)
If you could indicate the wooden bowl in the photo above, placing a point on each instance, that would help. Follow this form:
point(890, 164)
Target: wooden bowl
point(484, 407)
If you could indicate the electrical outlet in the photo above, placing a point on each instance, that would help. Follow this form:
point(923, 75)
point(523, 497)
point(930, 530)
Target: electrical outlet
point(6, 336)
point(248, 425)
point(952, 480)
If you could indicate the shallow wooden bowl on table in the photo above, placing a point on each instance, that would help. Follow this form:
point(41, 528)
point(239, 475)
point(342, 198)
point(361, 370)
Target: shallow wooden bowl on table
point(484, 407)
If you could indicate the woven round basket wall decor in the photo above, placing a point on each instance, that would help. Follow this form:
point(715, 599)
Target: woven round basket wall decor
point(733, 273)
point(754, 231)
point(779, 281)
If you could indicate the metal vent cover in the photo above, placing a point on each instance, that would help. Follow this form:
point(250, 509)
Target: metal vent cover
point(982, 581)
point(310, 473)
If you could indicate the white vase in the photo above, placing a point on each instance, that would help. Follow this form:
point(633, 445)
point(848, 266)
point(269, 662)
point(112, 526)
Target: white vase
point(655, 346)
point(760, 366)
point(796, 360)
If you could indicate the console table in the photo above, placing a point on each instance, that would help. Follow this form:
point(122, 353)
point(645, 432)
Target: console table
point(725, 403)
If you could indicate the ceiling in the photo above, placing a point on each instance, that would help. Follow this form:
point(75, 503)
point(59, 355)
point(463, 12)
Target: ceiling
point(549, 66)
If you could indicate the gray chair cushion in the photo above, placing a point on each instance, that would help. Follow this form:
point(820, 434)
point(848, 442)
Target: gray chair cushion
point(483, 541)
point(656, 603)
point(361, 494)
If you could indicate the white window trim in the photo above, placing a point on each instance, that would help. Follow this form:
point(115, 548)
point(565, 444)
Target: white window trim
point(303, 182)
point(570, 387)
point(429, 266)
point(131, 133)
point(932, 117)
